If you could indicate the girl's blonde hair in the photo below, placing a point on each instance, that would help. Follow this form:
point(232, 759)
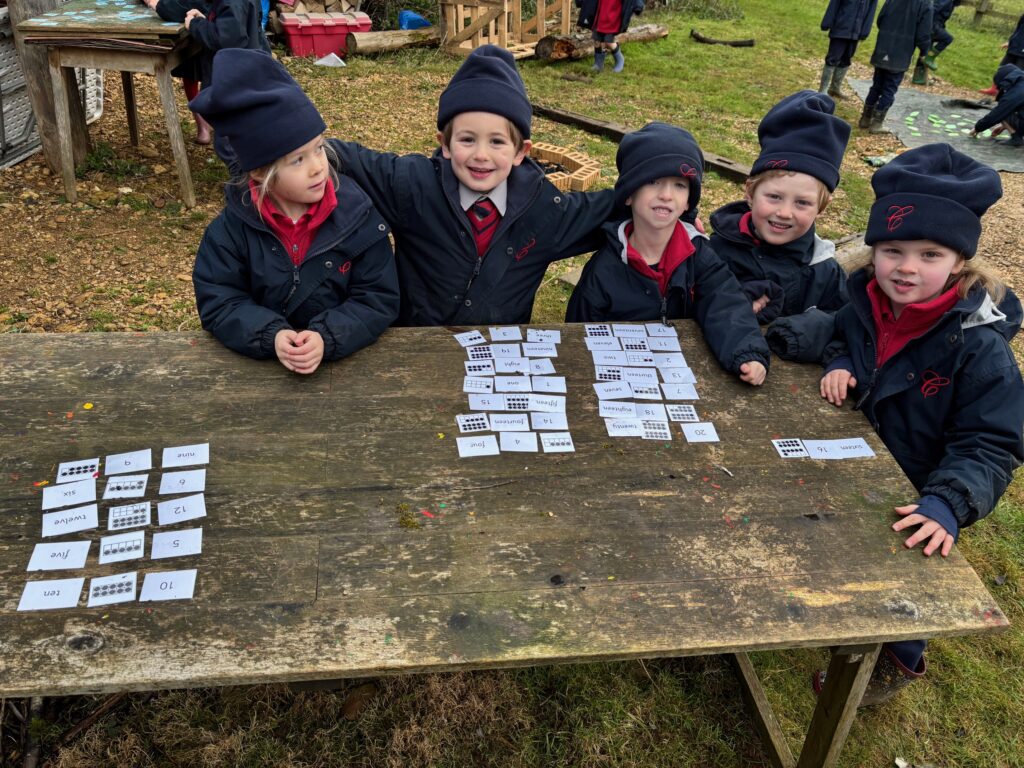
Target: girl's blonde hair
point(975, 272)
point(753, 182)
point(264, 177)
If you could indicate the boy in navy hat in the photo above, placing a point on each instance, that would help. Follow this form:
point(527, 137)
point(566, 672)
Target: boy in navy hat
point(903, 26)
point(656, 265)
point(768, 238)
point(847, 22)
point(922, 349)
point(298, 265)
point(1009, 111)
point(476, 224)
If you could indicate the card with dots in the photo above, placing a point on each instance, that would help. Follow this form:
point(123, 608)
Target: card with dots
point(477, 384)
point(69, 471)
point(656, 430)
point(790, 448)
point(472, 422)
point(635, 345)
point(482, 352)
point(125, 487)
point(128, 516)
point(557, 442)
point(682, 412)
point(469, 338)
point(608, 373)
point(107, 590)
point(646, 392)
point(123, 546)
point(597, 330)
point(479, 367)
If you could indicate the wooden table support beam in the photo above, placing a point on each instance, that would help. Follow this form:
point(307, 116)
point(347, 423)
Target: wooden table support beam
point(767, 725)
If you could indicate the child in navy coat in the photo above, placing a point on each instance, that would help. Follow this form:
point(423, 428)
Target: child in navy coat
point(768, 239)
point(903, 26)
point(847, 22)
point(607, 18)
point(1014, 48)
point(477, 224)
point(654, 266)
point(298, 265)
point(922, 349)
point(1009, 111)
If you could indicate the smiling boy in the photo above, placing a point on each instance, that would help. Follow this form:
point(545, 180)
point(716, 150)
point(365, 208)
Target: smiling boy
point(476, 224)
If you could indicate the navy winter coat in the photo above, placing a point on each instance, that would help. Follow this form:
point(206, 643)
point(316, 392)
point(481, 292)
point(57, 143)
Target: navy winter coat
point(176, 10)
point(903, 27)
point(1016, 42)
point(702, 287)
point(443, 280)
point(247, 288)
point(228, 24)
point(1010, 82)
point(949, 405)
point(941, 11)
point(849, 19)
point(588, 13)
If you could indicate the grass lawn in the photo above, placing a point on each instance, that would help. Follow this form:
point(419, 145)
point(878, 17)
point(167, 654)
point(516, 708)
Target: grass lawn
point(658, 714)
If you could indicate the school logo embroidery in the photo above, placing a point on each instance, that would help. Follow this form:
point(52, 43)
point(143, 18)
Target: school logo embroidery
point(526, 249)
point(345, 267)
point(896, 215)
point(932, 382)
point(777, 163)
point(687, 171)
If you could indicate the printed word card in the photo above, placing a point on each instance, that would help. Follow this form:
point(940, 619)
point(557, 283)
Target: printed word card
point(66, 494)
point(483, 445)
point(70, 520)
point(846, 448)
point(62, 556)
point(48, 595)
point(186, 455)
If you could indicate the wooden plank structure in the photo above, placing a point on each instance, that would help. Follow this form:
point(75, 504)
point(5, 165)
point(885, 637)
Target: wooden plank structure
point(110, 34)
point(345, 537)
point(469, 24)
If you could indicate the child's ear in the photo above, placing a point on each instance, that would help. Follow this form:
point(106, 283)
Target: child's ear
point(445, 152)
point(522, 153)
point(629, 201)
point(958, 267)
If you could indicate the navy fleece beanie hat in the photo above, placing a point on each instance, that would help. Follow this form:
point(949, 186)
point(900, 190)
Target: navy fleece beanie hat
point(932, 193)
point(487, 81)
point(802, 134)
point(256, 104)
point(658, 151)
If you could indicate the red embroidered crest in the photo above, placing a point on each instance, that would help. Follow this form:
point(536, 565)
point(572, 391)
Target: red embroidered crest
point(777, 163)
point(896, 214)
point(345, 267)
point(931, 383)
point(687, 171)
point(526, 249)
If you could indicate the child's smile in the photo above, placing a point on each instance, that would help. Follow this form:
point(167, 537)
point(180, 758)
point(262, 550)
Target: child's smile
point(481, 150)
point(783, 209)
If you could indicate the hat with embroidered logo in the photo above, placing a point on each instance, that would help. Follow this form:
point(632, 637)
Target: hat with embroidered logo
point(801, 133)
point(487, 81)
point(658, 151)
point(257, 106)
point(932, 193)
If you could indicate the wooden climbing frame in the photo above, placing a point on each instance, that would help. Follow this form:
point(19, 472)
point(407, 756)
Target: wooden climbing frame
point(469, 24)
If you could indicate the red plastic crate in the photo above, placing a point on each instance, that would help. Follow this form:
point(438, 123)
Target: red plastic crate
point(318, 34)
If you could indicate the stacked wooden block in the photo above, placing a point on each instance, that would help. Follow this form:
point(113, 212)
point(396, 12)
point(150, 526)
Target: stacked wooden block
point(583, 171)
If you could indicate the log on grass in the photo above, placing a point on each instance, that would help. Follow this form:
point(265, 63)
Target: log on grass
point(578, 46)
point(712, 41)
point(361, 43)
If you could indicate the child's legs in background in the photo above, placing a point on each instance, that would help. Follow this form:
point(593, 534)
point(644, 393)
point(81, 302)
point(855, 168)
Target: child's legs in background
point(191, 88)
point(603, 42)
point(840, 52)
point(941, 40)
point(884, 85)
point(909, 652)
point(203, 129)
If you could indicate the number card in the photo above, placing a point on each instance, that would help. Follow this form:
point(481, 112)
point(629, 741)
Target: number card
point(669, 360)
point(477, 384)
point(544, 337)
point(678, 376)
point(186, 455)
point(511, 383)
point(790, 448)
point(632, 331)
point(168, 585)
point(624, 427)
point(177, 543)
point(64, 555)
point(519, 442)
point(180, 510)
point(548, 384)
point(680, 392)
point(472, 422)
point(656, 430)
point(133, 461)
point(107, 590)
point(651, 412)
point(483, 352)
point(557, 442)
point(70, 520)
point(616, 409)
point(507, 350)
point(128, 516)
point(700, 432)
point(47, 595)
point(612, 390)
point(508, 333)
point(487, 402)
point(512, 365)
point(69, 471)
point(479, 368)
point(682, 412)
point(657, 329)
point(546, 403)
point(845, 448)
point(125, 486)
point(548, 421)
point(603, 345)
point(66, 494)
point(645, 391)
point(123, 546)
point(483, 445)
point(664, 344)
point(510, 422)
point(539, 349)
point(607, 373)
point(469, 338)
point(541, 366)
point(597, 330)
point(189, 481)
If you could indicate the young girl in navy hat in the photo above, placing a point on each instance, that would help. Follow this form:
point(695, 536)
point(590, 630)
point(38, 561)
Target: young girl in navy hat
point(298, 265)
point(922, 349)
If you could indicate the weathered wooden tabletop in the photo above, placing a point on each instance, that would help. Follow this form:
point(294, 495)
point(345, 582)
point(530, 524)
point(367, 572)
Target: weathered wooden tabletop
point(345, 537)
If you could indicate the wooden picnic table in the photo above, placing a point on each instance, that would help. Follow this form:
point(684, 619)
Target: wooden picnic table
point(345, 537)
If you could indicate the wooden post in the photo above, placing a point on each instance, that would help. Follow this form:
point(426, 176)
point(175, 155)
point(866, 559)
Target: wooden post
point(983, 7)
point(35, 64)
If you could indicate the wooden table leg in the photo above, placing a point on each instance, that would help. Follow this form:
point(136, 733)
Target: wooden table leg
point(62, 113)
point(128, 86)
point(772, 737)
point(848, 674)
point(163, 81)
